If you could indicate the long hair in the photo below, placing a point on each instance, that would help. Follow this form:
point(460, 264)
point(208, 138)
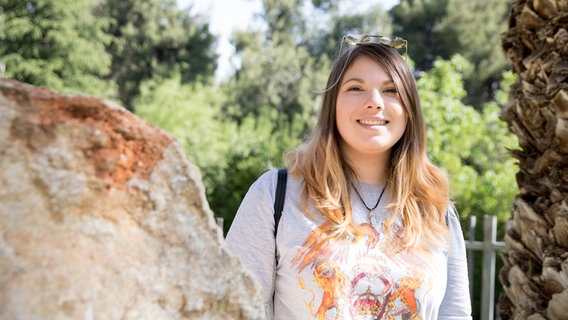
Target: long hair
point(418, 191)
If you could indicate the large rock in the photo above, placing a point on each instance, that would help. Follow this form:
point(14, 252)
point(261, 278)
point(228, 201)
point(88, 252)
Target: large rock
point(102, 217)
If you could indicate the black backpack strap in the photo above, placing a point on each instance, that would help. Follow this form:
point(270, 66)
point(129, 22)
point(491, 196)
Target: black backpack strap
point(280, 196)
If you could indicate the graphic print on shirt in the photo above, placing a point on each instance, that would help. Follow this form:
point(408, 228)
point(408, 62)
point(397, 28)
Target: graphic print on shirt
point(361, 275)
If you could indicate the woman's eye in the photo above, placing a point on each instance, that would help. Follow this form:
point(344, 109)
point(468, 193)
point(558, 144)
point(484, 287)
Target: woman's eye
point(391, 90)
point(356, 89)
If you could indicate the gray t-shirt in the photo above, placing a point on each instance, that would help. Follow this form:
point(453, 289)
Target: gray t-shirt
point(309, 274)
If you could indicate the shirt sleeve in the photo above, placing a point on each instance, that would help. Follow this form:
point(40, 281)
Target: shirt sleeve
point(251, 235)
point(456, 304)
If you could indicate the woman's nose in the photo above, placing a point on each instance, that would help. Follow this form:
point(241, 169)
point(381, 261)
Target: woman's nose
point(375, 100)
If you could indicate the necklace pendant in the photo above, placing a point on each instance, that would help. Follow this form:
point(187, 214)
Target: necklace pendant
point(372, 218)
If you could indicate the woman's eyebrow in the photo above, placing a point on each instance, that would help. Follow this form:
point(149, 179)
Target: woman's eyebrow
point(359, 80)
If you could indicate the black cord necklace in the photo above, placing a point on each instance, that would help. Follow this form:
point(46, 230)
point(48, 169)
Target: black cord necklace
point(363, 201)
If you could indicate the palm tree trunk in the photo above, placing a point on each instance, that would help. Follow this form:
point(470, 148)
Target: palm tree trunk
point(535, 272)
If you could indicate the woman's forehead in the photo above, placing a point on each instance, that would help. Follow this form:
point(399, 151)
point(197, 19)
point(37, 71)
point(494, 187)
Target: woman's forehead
point(364, 66)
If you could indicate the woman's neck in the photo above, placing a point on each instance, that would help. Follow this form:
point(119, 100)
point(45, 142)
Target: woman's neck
point(371, 170)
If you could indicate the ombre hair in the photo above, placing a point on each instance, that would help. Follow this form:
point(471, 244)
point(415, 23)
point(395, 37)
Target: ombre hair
point(418, 190)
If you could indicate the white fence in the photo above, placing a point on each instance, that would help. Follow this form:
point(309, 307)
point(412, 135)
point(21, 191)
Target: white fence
point(490, 247)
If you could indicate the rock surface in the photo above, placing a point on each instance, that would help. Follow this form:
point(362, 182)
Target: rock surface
point(102, 217)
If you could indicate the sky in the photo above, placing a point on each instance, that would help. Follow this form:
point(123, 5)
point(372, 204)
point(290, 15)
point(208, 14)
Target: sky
point(225, 16)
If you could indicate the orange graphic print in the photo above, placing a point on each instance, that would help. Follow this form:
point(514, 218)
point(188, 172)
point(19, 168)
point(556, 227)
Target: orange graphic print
point(331, 280)
point(405, 293)
point(354, 275)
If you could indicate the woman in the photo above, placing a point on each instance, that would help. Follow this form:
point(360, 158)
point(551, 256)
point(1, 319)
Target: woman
point(367, 230)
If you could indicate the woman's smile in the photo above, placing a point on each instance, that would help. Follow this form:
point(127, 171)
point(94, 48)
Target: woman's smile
point(373, 122)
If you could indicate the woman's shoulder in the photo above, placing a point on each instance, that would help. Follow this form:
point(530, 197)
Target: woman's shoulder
point(270, 177)
point(267, 181)
point(452, 217)
point(454, 225)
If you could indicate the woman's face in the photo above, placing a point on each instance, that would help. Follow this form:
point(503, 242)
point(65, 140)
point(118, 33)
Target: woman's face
point(370, 116)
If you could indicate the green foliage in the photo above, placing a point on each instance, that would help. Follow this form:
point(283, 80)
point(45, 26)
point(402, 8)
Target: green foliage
point(325, 34)
point(275, 77)
point(154, 38)
point(441, 28)
point(478, 27)
point(55, 43)
point(190, 112)
point(256, 147)
point(472, 146)
point(416, 21)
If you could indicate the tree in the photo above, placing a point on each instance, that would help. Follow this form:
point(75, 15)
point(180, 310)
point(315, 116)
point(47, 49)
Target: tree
point(416, 21)
point(535, 277)
point(441, 28)
point(328, 23)
point(277, 72)
point(155, 38)
point(471, 145)
point(54, 43)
